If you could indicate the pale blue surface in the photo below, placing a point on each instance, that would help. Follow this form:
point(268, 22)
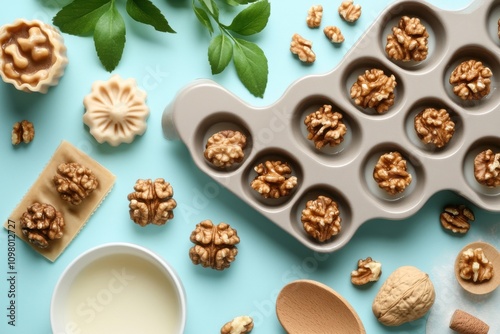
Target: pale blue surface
point(268, 258)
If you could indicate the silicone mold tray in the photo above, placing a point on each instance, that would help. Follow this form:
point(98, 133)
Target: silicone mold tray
point(344, 173)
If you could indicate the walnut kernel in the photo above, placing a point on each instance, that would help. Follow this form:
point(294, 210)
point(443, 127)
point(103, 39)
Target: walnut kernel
point(314, 16)
point(375, 90)
point(391, 173)
point(239, 325)
point(408, 40)
point(434, 126)
point(325, 127)
point(474, 266)
point(215, 245)
point(321, 218)
point(274, 179)
point(225, 148)
point(471, 80)
point(457, 218)
point(487, 168)
point(368, 271)
point(349, 11)
point(334, 34)
point(302, 48)
point(41, 223)
point(152, 202)
point(74, 182)
point(23, 132)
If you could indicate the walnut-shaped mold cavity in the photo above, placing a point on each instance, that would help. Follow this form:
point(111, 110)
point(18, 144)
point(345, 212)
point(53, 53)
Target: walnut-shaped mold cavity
point(328, 132)
point(222, 142)
point(272, 178)
point(470, 79)
point(392, 175)
point(116, 110)
point(493, 22)
point(32, 55)
point(372, 88)
point(481, 167)
point(413, 37)
point(322, 215)
point(433, 126)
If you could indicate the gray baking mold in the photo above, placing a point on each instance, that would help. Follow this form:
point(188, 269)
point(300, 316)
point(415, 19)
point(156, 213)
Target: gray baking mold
point(344, 173)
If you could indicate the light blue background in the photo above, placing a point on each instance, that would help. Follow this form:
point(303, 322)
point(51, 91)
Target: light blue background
point(268, 258)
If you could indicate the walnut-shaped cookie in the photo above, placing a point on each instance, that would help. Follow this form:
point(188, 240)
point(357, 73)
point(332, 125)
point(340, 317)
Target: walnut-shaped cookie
point(116, 111)
point(408, 40)
point(487, 168)
point(321, 218)
point(471, 80)
point(374, 89)
point(225, 148)
point(42, 223)
point(391, 173)
point(274, 179)
point(214, 245)
point(74, 182)
point(152, 202)
point(32, 55)
point(325, 127)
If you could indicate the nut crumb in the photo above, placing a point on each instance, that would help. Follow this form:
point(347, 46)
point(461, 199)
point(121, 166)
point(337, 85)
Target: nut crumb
point(374, 89)
point(349, 11)
point(22, 132)
point(368, 271)
point(391, 173)
point(457, 218)
point(314, 16)
point(434, 126)
point(239, 325)
point(474, 266)
point(302, 48)
point(334, 34)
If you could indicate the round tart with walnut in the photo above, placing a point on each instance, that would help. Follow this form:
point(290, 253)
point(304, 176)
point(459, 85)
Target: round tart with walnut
point(32, 55)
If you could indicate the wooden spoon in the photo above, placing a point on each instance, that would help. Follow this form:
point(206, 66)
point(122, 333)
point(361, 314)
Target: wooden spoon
point(484, 287)
point(310, 307)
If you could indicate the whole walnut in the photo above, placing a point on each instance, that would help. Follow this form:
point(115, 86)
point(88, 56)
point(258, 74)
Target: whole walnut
point(374, 89)
point(471, 80)
point(74, 182)
point(215, 245)
point(391, 173)
point(408, 40)
point(41, 223)
point(405, 296)
point(152, 202)
point(487, 168)
point(225, 148)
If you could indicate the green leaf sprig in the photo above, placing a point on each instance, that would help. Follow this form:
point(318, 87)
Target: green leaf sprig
point(102, 19)
point(249, 59)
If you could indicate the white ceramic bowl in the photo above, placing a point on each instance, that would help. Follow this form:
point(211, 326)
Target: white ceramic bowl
point(118, 288)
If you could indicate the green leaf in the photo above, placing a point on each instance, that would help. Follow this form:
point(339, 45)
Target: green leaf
point(252, 19)
point(220, 52)
point(203, 17)
point(238, 2)
point(80, 17)
point(109, 38)
point(251, 66)
point(146, 12)
point(211, 7)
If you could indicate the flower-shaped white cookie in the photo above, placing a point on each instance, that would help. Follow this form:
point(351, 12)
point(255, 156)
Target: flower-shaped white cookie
point(116, 111)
